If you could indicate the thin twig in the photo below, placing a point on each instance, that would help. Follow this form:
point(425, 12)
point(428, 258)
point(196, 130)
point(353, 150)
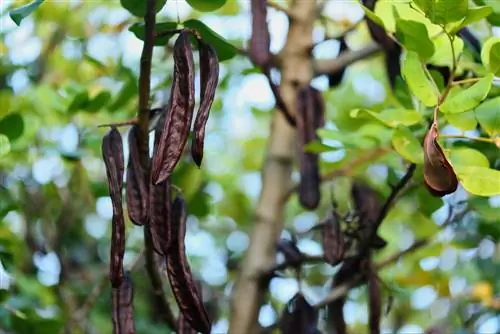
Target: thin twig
point(481, 139)
point(327, 66)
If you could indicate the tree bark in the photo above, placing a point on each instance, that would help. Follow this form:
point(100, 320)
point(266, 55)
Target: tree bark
point(248, 294)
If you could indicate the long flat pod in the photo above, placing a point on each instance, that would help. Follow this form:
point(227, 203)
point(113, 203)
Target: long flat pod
point(299, 317)
point(179, 273)
point(334, 245)
point(159, 216)
point(137, 190)
point(123, 307)
point(374, 303)
point(260, 39)
point(112, 152)
point(179, 114)
point(209, 78)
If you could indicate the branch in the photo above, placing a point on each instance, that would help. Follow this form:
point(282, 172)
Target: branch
point(327, 66)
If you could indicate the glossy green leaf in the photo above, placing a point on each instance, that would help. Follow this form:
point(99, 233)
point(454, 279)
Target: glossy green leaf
point(318, 147)
point(444, 11)
point(392, 117)
point(224, 49)
point(464, 156)
point(480, 181)
point(18, 14)
point(414, 37)
point(476, 14)
point(79, 102)
point(443, 55)
point(138, 7)
point(5, 102)
point(349, 139)
point(490, 55)
point(99, 101)
point(468, 98)
point(12, 126)
point(420, 84)
point(165, 29)
point(206, 6)
point(4, 145)
point(407, 145)
point(372, 16)
point(488, 116)
point(463, 121)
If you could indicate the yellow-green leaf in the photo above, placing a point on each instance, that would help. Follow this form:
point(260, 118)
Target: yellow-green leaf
point(490, 55)
point(420, 84)
point(407, 145)
point(479, 181)
point(464, 156)
point(488, 116)
point(468, 98)
point(392, 117)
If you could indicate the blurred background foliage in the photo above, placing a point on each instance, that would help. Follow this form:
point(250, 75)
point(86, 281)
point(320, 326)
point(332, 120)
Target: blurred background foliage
point(72, 65)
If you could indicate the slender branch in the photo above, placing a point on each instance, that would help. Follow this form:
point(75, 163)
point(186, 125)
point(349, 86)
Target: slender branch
point(286, 264)
point(481, 139)
point(280, 8)
point(327, 66)
point(465, 81)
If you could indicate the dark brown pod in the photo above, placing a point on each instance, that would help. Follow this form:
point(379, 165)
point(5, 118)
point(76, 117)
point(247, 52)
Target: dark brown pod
point(160, 215)
point(309, 118)
point(299, 317)
point(209, 78)
point(183, 326)
point(374, 303)
point(260, 39)
point(112, 151)
point(179, 112)
point(179, 273)
point(439, 175)
point(123, 307)
point(334, 245)
point(334, 79)
point(137, 191)
point(290, 251)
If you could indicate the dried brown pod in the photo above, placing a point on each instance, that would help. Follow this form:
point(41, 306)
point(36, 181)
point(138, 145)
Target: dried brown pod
point(137, 190)
point(179, 111)
point(310, 116)
point(299, 317)
point(439, 176)
point(183, 326)
point(123, 307)
point(260, 39)
point(159, 216)
point(209, 77)
point(290, 251)
point(334, 245)
point(374, 303)
point(183, 285)
point(112, 152)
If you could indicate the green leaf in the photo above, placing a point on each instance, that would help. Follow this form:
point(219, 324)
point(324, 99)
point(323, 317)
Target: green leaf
point(465, 156)
point(443, 55)
point(79, 102)
point(5, 102)
point(488, 116)
point(349, 139)
point(414, 36)
point(99, 101)
point(4, 145)
point(12, 126)
point(138, 7)
point(392, 117)
point(468, 98)
point(372, 16)
point(417, 79)
point(463, 121)
point(224, 49)
point(490, 55)
point(206, 6)
point(128, 91)
point(163, 28)
point(407, 145)
point(318, 147)
point(18, 14)
point(444, 11)
point(479, 181)
point(476, 14)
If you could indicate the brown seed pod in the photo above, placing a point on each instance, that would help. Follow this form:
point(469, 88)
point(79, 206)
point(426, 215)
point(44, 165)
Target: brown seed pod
point(299, 317)
point(123, 307)
point(179, 114)
point(179, 273)
point(159, 216)
point(209, 78)
point(290, 251)
point(334, 245)
point(310, 116)
point(137, 191)
point(439, 175)
point(183, 326)
point(260, 39)
point(374, 303)
point(112, 152)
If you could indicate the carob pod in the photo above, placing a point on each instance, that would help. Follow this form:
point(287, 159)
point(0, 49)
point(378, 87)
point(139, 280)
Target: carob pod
point(123, 307)
point(112, 152)
point(137, 190)
point(179, 114)
point(209, 78)
point(299, 317)
point(310, 116)
point(290, 251)
point(334, 79)
point(374, 303)
point(260, 39)
point(439, 176)
point(181, 280)
point(334, 245)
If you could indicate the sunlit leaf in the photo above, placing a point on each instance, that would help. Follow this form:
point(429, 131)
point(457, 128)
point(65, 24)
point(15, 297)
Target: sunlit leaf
point(488, 116)
point(444, 11)
point(4, 145)
point(463, 121)
point(468, 98)
point(392, 117)
point(490, 55)
point(18, 14)
point(418, 81)
point(12, 126)
point(407, 145)
point(468, 157)
point(414, 36)
point(206, 6)
point(480, 181)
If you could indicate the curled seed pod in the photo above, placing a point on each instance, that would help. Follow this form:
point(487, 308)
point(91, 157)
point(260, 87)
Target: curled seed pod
point(299, 317)
point(290, 251)
point(334, 79)
point(137, 191)
point(439, 176)
point(209, 77)
point(260, 39)
point(309, 118)
point(334, 245)
point(179, 273)
point(123, 307)
point(179, 114)
point(374, 303)
point(112, 152)
point(159, 216)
